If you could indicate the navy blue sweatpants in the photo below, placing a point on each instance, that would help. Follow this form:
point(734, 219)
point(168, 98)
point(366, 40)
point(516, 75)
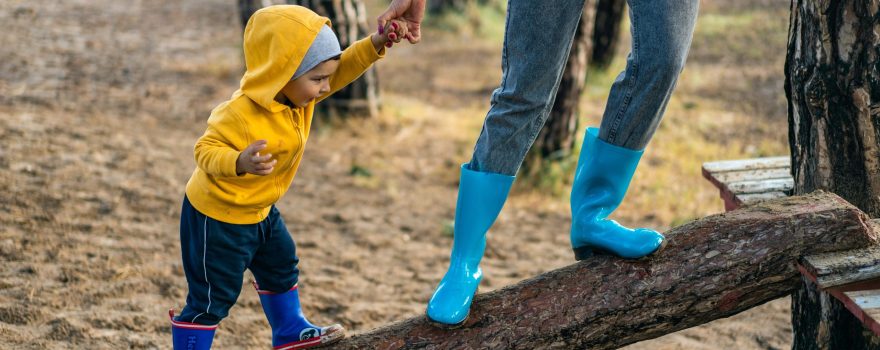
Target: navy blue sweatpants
point(215, 255)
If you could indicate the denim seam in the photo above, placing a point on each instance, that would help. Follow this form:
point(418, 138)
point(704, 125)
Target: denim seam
point(612, 134)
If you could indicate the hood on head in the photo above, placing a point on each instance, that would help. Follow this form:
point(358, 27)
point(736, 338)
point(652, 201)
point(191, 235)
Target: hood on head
point(276, 39)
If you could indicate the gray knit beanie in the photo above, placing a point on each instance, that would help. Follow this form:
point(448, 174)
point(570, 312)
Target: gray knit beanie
point(325, 47)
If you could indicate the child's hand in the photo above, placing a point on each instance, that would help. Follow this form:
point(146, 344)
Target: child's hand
point(392, 33)
point(250, 161)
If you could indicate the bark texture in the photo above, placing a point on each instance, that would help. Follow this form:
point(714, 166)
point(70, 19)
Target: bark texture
point(711, 268)
point(833, 88)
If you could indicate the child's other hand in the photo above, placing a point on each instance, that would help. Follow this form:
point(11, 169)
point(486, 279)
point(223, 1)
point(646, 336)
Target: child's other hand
point(250, 161)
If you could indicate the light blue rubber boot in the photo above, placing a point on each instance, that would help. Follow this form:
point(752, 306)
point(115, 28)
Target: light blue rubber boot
point(190, 336)
point(290, 328)
point(603, 175)
point(480, 198)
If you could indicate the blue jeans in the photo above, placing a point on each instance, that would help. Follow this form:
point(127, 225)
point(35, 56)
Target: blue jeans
point(537, 40)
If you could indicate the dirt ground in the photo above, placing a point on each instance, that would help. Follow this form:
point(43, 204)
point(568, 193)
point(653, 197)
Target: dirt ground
point(101, 102)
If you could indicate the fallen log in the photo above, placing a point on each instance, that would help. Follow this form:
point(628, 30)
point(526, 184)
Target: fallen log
point(711, 268)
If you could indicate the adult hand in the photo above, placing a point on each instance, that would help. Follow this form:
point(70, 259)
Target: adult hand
point(250, 160)
point(411, 12)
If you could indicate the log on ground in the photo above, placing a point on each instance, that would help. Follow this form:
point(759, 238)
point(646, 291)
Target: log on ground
point(711, 268)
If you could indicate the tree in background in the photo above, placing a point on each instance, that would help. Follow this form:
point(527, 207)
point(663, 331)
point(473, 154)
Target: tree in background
point(832, 82)
point(606, 31)
point(349, 20)
point(442, 6)
point(557, 138)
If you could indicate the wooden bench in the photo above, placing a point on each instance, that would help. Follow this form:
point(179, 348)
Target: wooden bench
point(749, 181)
point(851, 277)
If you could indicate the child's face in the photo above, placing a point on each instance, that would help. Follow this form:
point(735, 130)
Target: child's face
point(310, 85)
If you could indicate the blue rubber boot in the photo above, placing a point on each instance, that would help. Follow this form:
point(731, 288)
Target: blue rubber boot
point(603, 175)
point(480, 198)
point(190, 336)
point(290, 328)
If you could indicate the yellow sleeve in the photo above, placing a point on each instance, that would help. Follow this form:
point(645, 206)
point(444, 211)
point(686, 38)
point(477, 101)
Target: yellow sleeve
point(355, 60)
point(215, 152)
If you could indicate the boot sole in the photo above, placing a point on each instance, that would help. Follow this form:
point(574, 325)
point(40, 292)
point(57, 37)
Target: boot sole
point(447, 326)
point(586, 252)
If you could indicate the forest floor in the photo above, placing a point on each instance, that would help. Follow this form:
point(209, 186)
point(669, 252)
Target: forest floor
point(101, 102)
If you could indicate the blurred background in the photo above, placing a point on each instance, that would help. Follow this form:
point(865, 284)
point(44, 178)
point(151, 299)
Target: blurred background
point(101, 102)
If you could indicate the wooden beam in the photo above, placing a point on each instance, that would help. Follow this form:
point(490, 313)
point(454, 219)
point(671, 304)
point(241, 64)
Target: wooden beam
point(845, 267)
point(711, 268)
point(748, 181)
point(841, 317)
point(747, 164)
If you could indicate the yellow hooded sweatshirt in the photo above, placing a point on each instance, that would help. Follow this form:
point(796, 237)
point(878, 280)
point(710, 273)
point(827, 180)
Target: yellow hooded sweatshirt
point(276, 39)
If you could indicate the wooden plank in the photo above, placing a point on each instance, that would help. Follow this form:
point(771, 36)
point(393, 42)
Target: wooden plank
point(747, 164)
point(868, 301)
point(862, 304)
point(850, 276)
point(761, 186)
point(752, 198)
point(750, 181)
point(757, 174)
point(840, 268)
point(865, 305)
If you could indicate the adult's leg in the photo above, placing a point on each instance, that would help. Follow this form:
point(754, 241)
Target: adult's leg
point(537, 40)
point(662, 31)
point(661, 36)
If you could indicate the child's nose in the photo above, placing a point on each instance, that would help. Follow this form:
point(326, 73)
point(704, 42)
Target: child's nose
point(325, 87)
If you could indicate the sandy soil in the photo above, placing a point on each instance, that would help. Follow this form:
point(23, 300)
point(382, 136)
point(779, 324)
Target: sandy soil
point(101, 102)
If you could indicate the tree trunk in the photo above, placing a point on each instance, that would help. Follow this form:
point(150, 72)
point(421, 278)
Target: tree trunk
point(833, 90)
point(711, 268)
point(832, 76)
point(440, 6)
point(557, 137)
point(349, 20)
point(246, 8)
point(606, 32)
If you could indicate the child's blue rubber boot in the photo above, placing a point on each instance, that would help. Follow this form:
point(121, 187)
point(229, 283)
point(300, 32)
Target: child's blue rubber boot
point(290, 329)
point(602, 177)
point(190, 336)
point(480, 198)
